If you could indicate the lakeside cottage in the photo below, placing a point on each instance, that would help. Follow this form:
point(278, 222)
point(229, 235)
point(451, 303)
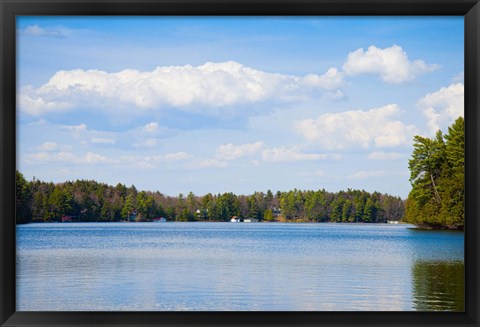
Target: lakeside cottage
point(69, 219)
point(236, 219)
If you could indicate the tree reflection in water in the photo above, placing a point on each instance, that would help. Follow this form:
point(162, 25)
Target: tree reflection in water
point(438, 285)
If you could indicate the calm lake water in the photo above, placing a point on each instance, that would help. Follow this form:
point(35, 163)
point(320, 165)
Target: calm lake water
point(238, 266)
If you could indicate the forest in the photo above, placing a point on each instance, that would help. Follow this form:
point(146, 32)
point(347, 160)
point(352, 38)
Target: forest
point(437, 174)
point(90, 201)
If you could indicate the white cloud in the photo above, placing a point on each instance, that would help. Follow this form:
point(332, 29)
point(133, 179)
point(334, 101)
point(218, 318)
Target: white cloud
point(151, 127)
point(183, 158)
point(131, 158)
point(214, 85)
point(335, 95)
point(231, 152)
point(51, 146)
point(92, 158)
point(69, 157)
point(380, 155)
point(441, 108)
point(39, 157)
point(285, 155)
point(75, 128)
point(366, 174)
point(148, 143)
point(86, 136)
point(376, 127)
point(35, 30)
point(177, 156)
point(392, 64)
point(158, 159)
point(331, 80)
point(48, 146)
point(102, 140)
point(36, 106)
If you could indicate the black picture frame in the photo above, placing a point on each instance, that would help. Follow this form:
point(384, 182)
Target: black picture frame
point(9, 9)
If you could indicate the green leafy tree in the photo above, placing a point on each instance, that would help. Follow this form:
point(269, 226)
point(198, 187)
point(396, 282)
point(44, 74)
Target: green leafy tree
point(268, 215)
point(347, 211)
point(336, 209)
point(437, 177)
point(453, 203)
point(370, 211)
point(192, 203)
point(23, 199)
point(359, 204)
point(129, 207)
point(269, 199)
point(59, 204)
point(253, 207)
point(146, 208)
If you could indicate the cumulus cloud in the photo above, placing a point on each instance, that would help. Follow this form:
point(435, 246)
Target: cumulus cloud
point(392, 64)
point(442, 107)
point(366, 174)
point(375, 127)
point(35, 105)
point(381, 155)
point(212, 85)
point(231, 151)
point(331, 80)
point(36, 30)
point(285, 155)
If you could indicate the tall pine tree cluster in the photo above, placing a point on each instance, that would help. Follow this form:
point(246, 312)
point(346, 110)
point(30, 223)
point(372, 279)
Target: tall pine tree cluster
point(437, 176)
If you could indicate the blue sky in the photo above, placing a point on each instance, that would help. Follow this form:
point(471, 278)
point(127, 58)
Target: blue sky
point(240, 104)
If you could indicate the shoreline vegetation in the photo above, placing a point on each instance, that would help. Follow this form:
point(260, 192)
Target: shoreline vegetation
point(91, 201)
point(436, 200)
point(437, 175)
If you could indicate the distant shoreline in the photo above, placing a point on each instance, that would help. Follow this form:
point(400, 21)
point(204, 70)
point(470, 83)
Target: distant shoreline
point(262, 222)
point(419, 228)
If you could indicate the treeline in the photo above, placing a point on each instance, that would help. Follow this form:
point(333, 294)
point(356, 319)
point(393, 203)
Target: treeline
point(84, 200)
point(437, 176)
